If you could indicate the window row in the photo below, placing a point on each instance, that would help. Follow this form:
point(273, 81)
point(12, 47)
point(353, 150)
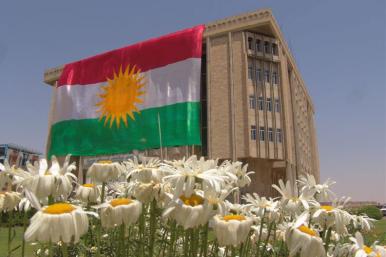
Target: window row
point(270, 135)
point(268, 105)
point(262, 46)
point(257, 74)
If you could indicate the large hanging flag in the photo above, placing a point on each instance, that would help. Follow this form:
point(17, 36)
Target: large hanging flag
point(127, 98)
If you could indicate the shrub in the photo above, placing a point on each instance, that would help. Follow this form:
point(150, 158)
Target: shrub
point(370, 210)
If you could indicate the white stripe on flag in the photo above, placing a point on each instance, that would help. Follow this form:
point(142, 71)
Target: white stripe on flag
point(174, 83)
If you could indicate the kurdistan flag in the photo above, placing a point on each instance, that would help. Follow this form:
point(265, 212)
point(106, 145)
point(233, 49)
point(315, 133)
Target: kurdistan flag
point(118, 101)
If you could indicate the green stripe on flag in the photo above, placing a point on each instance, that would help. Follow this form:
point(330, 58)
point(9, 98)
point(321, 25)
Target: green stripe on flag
point(180, 125)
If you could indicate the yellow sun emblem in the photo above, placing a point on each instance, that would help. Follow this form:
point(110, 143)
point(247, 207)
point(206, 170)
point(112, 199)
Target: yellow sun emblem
point(120, 96)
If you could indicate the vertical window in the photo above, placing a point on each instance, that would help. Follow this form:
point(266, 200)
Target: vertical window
point(269, 104)
point(252, 102)
point(270, 134)
point(277, 105)
point(262, 134)
point(274, 49)
point(250, 69)
point(253, 132)
point(258, 45)
point(258, 74)
point(274, 78)
point(261, 103)
point(266, 75)
point(267, 49)
point(278, 135)
point(250, 43)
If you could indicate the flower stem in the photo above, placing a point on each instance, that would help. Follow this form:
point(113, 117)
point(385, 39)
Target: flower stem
point(204, 241)
point(140, 232)
point(327, 239)
point(153, 226)
point(10, 214)
point(172, 238)
point(122, 239)
point(260, 232)
point(25, 220)
point(64, 250)
point(103, 192)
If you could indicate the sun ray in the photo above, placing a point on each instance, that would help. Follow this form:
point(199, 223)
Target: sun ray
point(120, 96)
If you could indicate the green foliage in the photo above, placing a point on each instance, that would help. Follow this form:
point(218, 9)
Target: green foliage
point(370, 210)
point(17, 217)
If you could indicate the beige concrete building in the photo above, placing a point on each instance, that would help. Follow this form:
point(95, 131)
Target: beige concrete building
point(255, 104)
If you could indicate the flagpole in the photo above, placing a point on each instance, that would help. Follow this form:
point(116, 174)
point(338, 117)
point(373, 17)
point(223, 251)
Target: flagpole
point(160, 136)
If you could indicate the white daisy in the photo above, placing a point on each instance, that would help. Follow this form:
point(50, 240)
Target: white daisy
point(9, 200)
point(292, 201)
point(146, 171)
point(192, 173)
point(57, 222)
point(301, 238)
point(323, 191)
point(88, 193)
point(120, 211)
point(232, 229)
point(333, 216)
point(189, 212)
point(104, 171)
point(44, 182)
point(361, 250)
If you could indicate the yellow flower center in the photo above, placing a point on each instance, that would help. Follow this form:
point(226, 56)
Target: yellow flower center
point(327, 207)
point(307, 230)
point(367, 249)
point(47, 173)
point(193, 200)
point(233, 217)
point(59, 208)
point(88, 185)
point(120, 201)
point(105, 161)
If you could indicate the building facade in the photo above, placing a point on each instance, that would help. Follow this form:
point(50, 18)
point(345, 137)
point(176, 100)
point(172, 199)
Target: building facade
point(255, 105)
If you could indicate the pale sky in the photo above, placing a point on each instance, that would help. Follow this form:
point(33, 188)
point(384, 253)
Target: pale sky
point(339, 46)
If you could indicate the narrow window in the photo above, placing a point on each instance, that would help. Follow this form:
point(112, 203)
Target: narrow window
point(250, 43)
point(278, 135)
point(261, 103)
point(258, 74)
point(269, 104)
point(266, 75)
point(262, 134)
point(270, 134)
point(258, 45)
point(274, 78)
point(253, 132)
point(250, 69)
point(252, 102)
point(277, 105)
point(274, 49)
point(267, 48)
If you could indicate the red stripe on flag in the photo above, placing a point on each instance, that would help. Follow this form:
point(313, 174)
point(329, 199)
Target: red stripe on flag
point(145, 55)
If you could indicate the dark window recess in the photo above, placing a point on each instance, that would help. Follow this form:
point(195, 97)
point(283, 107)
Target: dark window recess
point(266, 75)
point(250, 40)
point(261, 103)
point(270, 134)
point(262, 134)
point(274, 49)
point(253, 132)
point(258, 45)
point(267, 48)
point(269, 104)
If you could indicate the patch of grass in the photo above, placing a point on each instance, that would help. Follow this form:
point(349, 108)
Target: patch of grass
point(16, 242)
point(378, 233)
